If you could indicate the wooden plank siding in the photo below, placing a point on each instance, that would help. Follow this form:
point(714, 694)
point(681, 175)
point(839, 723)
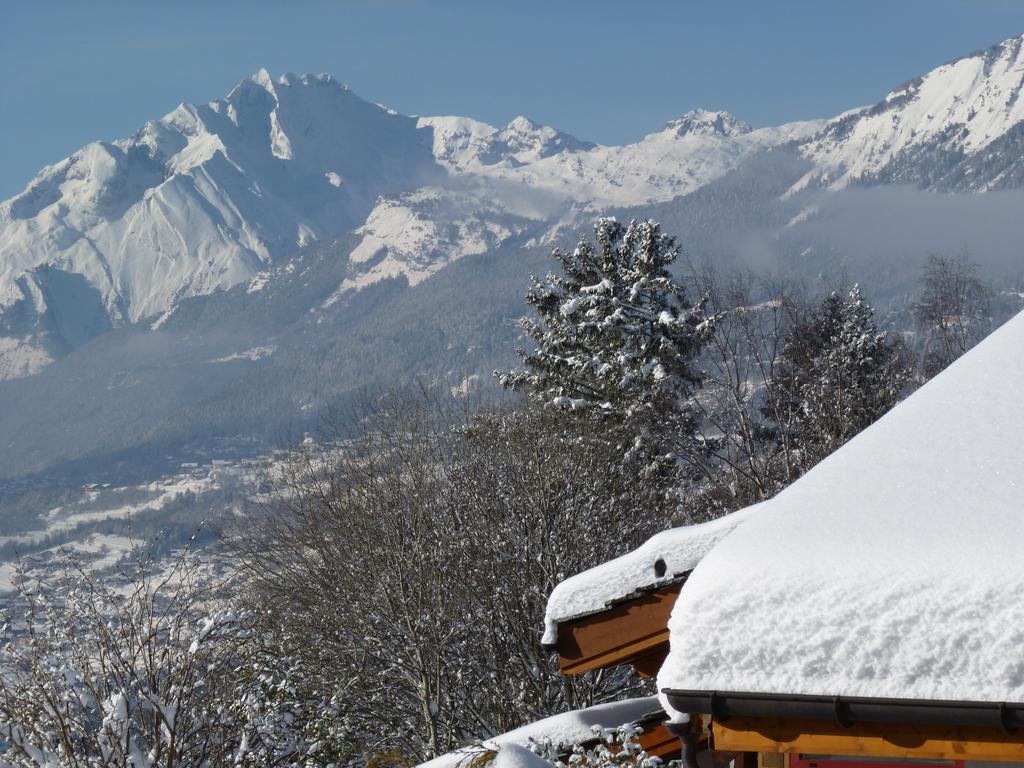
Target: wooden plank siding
point(633, 632)
point(873, 740)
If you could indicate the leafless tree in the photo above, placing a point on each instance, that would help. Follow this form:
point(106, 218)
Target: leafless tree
point(952, 312)
point(352, 550)
point(551, 498)
point(744, 452)
point(416, 551)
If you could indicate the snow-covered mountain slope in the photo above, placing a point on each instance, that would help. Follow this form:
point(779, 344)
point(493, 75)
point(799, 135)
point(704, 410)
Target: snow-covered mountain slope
point(957, 127)
point(204, 197)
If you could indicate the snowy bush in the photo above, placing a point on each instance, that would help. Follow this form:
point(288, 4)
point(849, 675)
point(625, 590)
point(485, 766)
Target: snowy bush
point(93, 675)
point(160, 672)
point(610, 748)
point(287, 713)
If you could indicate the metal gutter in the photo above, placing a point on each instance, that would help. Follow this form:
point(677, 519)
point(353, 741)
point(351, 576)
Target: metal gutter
point(848, 710)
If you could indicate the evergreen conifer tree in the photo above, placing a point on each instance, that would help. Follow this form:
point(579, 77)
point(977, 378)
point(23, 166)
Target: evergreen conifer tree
point(616, 337)
point(838, 374)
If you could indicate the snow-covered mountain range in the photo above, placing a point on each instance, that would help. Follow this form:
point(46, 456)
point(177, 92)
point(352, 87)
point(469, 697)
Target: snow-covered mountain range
point(211, 196)
point(294, 195)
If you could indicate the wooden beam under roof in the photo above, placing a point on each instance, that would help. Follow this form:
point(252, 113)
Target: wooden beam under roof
point(895, 740)
point(634, 631)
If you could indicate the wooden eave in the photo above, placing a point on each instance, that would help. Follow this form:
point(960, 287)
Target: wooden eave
point(632, 631)
point(892, 740)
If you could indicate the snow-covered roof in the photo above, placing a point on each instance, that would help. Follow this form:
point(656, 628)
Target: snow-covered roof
point(680, 549)
point(894, 568)
point(566, 729)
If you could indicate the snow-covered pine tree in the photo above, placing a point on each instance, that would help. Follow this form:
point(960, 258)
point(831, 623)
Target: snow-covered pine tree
point(616, 336)
point(838, 374)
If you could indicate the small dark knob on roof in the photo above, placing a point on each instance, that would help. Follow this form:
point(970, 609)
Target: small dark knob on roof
point(659, 567)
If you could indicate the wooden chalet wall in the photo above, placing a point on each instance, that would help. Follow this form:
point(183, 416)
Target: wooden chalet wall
point(869, 740)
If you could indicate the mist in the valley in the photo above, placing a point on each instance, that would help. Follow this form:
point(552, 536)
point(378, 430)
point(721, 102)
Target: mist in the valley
point(881, 237)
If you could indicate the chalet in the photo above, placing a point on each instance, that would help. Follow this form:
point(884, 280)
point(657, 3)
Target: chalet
point(870, 614)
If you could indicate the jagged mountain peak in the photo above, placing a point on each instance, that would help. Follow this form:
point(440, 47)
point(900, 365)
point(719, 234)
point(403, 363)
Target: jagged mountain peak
point(527, 140)
point(703, 122)
point(202, 198)
point(263, 79)
point(522, 124)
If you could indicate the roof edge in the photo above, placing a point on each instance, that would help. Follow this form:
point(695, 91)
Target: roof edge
point(848, 710)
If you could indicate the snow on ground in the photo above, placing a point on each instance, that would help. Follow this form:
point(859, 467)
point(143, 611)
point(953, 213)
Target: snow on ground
point(516, 756)
point(108, 549)
point(258, 282)
point(254, 354)
point(80, 526)
point(565, 729)
point(417, 234)
point(96, 552)
point(892, 569)
point(687, 153)
point(165, 491)
point(678, 550)
point(18, 358)
point(7, 573)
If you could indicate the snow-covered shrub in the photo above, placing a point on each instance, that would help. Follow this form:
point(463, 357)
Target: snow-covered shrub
point(611, 748)
point(287, 712)
point(98, 675)
point(159, 672)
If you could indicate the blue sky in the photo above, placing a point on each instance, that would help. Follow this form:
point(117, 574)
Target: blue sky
point(606, 71)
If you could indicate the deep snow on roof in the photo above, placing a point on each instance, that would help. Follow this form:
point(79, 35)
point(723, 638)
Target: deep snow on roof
point(598, 588)
point(894, 568)
point(565, 729)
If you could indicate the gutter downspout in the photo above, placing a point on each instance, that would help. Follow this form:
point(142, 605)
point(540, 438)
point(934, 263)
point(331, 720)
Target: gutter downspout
point(689, 734)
